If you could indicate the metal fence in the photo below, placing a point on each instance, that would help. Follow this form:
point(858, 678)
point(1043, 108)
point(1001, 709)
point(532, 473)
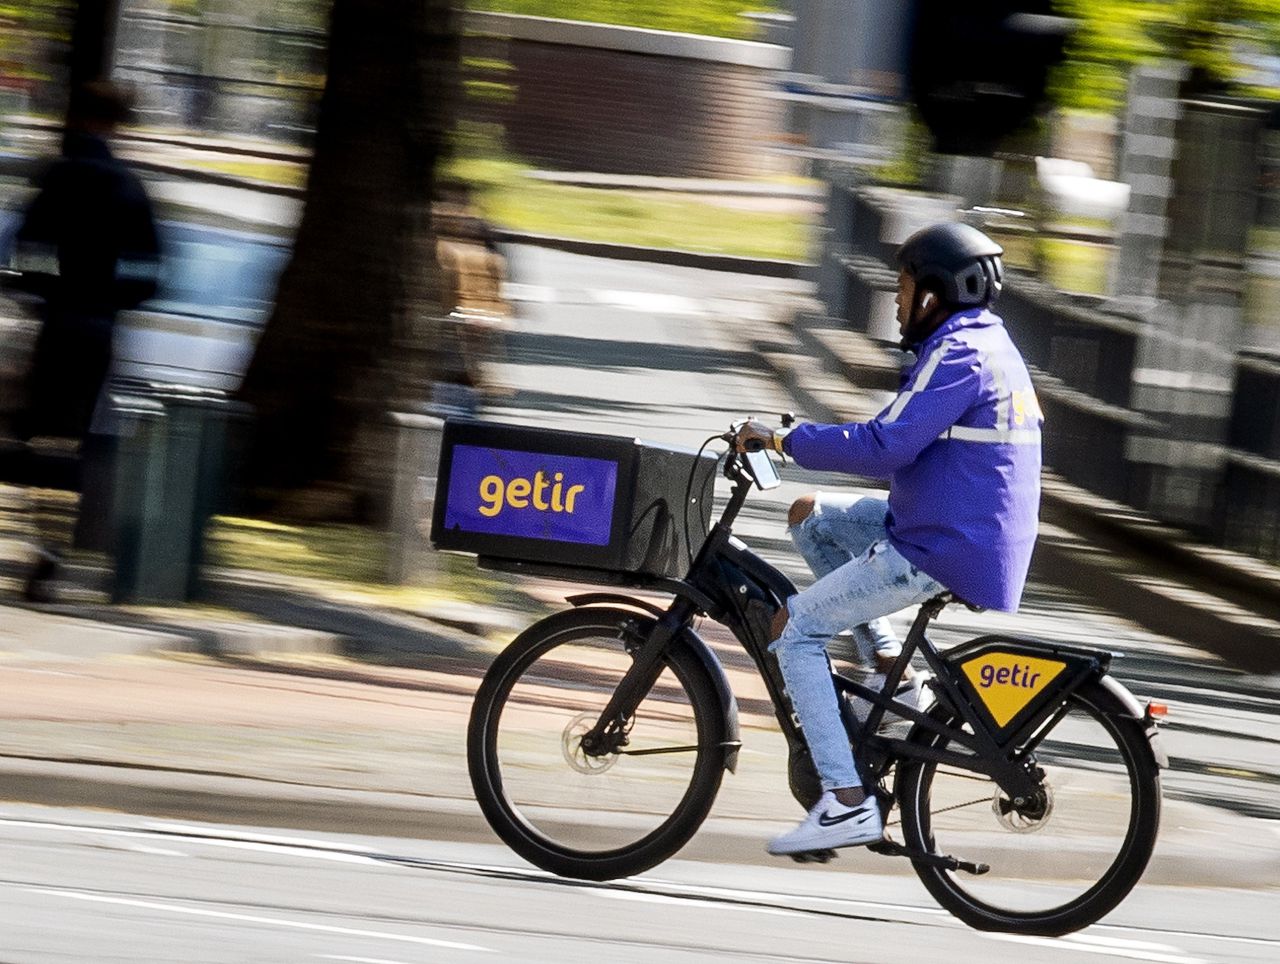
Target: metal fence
point(243, 68)
point(238, 69)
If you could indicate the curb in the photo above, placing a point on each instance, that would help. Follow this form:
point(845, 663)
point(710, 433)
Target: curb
point(1230, 569)
point(186, 796)
point(762, 267)
point(131, 632)
point(681, 185)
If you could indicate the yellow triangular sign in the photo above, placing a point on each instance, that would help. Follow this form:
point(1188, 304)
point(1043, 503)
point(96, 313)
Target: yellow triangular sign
point(1007, 682)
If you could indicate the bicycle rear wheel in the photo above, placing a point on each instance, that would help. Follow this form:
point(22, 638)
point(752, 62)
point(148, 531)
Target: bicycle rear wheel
point(1073, 859)
point(534, 782)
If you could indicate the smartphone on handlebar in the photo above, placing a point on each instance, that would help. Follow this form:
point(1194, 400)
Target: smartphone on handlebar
point(762, 469)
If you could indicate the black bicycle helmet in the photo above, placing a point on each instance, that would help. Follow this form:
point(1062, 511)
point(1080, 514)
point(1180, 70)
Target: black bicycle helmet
point(960, 262)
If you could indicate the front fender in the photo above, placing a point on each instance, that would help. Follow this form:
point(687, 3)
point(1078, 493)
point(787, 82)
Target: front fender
point(706, 657)
point(728, 702)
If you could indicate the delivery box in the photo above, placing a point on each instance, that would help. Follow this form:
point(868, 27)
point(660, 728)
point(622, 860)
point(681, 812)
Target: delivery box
point(571, 500)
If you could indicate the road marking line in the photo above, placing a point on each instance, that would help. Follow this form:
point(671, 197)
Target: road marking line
point(158, 851)
point(214, 833)
point(317, 851)
point(1121, 942)
point(255, 919)
point(1192, 935)
point(74, 828)
point(692, 900)
point(517, 291)
point(358, 960)
point(1073, 942)
point(294, 851)
point(705, 890)
point(655, 302)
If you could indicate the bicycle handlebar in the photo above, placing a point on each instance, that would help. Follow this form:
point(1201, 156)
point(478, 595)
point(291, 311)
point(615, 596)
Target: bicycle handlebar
point(787, 419)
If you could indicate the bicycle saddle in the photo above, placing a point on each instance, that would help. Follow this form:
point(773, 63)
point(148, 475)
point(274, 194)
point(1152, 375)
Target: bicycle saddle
point(945, 598)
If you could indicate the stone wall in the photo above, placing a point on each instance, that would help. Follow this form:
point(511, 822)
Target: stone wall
point(620, 100)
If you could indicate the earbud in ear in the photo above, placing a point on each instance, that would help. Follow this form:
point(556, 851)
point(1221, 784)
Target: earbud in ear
point(927, 300)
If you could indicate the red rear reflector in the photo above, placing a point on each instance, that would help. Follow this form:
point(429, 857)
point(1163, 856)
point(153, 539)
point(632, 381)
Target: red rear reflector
point(1157, 709)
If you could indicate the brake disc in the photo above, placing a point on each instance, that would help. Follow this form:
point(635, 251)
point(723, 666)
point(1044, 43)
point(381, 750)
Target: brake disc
point(1027, 816)
point(571, 746)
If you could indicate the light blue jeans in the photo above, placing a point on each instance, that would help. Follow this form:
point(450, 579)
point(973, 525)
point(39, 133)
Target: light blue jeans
point(861, 580)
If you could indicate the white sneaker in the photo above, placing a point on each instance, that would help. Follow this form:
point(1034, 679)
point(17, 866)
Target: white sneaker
point(830, 824)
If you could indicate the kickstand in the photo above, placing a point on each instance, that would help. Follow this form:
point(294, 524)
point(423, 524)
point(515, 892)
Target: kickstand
point(891, 848)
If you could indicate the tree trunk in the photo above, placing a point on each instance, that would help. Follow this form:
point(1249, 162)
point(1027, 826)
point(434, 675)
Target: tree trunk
point(92, 42)
point(347, 337)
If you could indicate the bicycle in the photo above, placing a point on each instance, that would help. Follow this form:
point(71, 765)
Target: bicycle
point(1029, 791)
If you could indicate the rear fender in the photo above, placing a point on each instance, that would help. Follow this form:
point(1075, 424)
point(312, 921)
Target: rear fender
point(1127, 705)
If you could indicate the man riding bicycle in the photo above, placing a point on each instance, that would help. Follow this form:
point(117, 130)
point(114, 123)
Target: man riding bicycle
point(961, 447)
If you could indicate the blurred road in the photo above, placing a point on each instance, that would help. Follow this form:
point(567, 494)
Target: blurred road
point(82, 886)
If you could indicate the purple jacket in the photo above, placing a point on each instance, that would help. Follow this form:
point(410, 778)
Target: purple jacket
point(961, 447)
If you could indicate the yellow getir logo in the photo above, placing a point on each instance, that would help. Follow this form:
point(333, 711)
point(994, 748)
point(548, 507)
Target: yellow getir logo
point(1007, 682)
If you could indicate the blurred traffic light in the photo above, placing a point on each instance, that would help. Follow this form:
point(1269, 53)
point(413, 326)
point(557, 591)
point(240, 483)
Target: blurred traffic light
point(978, 68)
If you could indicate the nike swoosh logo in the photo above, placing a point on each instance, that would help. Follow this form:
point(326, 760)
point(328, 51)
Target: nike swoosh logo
point(826, 820)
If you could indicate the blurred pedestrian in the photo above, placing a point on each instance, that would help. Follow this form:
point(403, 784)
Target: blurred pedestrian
point(472, 272)
point(87, 248)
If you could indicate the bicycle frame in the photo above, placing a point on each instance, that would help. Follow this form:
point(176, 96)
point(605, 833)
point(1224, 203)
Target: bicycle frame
point(729, 583)
point(1002, 753)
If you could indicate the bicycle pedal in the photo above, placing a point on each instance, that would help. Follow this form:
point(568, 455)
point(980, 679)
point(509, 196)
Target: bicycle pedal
point(814, 856)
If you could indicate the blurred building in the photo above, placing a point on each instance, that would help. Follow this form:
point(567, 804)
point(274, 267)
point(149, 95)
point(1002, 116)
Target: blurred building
point(623, 100)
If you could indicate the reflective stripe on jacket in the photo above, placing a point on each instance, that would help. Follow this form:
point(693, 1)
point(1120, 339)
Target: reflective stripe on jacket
point(961, 447)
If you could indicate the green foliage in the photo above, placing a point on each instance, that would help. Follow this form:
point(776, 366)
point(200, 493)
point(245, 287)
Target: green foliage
point(660, 219)
point(1114, 35)
point(348, 563)
point(716, 18)
point(489, 91)
point(344, 553)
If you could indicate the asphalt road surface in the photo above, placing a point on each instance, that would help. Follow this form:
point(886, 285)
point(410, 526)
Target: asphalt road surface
point(82, 887)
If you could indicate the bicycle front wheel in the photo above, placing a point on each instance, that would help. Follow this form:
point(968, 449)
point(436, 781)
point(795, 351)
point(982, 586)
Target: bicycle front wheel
point(1066, 861)
point(572, 813)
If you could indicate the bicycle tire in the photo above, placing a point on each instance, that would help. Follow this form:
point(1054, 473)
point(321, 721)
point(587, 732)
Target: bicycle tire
point(988, 905)
point(685, 695)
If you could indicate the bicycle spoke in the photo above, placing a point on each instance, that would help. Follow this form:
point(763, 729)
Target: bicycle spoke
point(1051, 850)
point(964, 775)
point(633, 789)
